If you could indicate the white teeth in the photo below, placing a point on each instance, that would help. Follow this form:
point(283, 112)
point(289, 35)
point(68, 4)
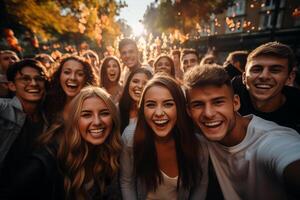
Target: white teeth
point(160, 122)
point(137, 92)
point(32, 91)
point(72, 84)
point(212, 123)
point(96, 131)
point(263, 86)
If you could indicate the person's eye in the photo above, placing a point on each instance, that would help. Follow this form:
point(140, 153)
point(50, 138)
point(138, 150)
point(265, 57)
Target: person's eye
point(197, 105)
point(219, 102)
point(80, 74)
point(256, 69)
point(169, 104)
point(150, 105)
point(67, 72)
point(275, 70)
point(86, 115)
point(105, 113)
point(26, 78)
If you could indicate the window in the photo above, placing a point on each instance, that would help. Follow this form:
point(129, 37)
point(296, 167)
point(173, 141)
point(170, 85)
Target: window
point(266, 20)
point(238, 8)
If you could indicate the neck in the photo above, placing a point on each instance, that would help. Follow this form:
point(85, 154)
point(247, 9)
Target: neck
point(164, 140)
point(236, 135)
point(29, 107)
point(133, 110)
point(269, 105)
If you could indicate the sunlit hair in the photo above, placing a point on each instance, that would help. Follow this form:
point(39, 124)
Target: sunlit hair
point(127, 41)
point(171, 63)
point(90, 54)
point(79, 161)
point(56, 97)
point(145, 156)
point(207, 75)
point(274, 49)
point(126, 101)
point(104, 81)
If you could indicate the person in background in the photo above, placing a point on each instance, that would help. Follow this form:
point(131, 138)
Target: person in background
point(72, 74)
point(77, 159)
point(93, 58)
point(7, 58)
point(128, 105)
point(262, 89)
point(110, 72)
point(189, 58)
point(129, 54)
point(165, 64)
point(176, 59)
point(235, 63)
point(162, 158)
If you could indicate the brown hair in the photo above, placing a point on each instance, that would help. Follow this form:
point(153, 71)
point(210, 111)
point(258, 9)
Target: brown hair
point(186, 144)
point(274, 49)
point(169, 59)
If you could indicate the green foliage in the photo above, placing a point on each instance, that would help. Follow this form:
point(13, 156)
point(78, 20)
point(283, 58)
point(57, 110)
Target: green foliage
point(183, 15)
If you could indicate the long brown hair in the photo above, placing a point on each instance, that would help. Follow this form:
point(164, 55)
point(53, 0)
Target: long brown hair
point(56, 97)
point(84, 165)
point(186, 143)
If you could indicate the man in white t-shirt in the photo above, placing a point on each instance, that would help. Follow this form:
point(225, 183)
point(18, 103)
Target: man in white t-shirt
point(253, 158)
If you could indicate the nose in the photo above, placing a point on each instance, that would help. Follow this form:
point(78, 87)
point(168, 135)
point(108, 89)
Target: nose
point(159, 111)
point(265, 73)
point(209, 111)
point(72, 76)
point(33, 81)
point(97, 120)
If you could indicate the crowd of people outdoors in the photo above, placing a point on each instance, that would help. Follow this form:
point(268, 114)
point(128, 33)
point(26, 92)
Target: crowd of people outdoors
point(175, 127)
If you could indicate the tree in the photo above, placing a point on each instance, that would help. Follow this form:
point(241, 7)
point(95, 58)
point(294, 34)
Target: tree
point(183, 15)
point(93, 19)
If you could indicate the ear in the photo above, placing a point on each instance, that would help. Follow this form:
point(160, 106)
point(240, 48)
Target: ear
point(12, 86)
point(236, 102)
point(244, 78)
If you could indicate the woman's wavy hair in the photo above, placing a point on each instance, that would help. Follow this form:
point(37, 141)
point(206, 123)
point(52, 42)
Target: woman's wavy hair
point(82, 164)
point(104, 81)
point(169, 59)
point(125, 100)
point(56, 97)
point(145, 155)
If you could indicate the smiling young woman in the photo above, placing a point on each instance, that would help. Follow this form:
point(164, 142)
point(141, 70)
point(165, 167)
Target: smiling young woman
point(77, 159)
point(162, 158)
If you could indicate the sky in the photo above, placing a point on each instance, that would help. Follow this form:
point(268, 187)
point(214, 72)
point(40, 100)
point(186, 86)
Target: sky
point(134, 12)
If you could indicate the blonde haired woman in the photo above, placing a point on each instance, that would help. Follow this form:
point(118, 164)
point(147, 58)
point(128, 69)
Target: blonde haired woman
point(79, 159)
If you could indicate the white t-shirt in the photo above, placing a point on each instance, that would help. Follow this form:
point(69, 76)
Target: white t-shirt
point(253, 169)
point(166, 190)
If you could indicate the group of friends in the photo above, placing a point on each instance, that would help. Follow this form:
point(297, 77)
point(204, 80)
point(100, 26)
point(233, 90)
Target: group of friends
point(174, 128)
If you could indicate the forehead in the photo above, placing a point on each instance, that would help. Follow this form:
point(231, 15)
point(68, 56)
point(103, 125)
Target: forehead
point(8, 54)
point(207, 93)
point(112, 61)
point(266, 61)
point(157, 92)
point(28, 70)
point(94, 103)
point(128, 47)
point(163, 59)
point(189, 56)
point(140, 76)
point(73, 64)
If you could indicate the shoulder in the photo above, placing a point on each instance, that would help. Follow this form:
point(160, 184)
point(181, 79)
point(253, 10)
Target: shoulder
point(128, 134)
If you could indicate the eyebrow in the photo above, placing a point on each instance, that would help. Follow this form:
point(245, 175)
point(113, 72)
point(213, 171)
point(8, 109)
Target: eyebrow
point(167, 100)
